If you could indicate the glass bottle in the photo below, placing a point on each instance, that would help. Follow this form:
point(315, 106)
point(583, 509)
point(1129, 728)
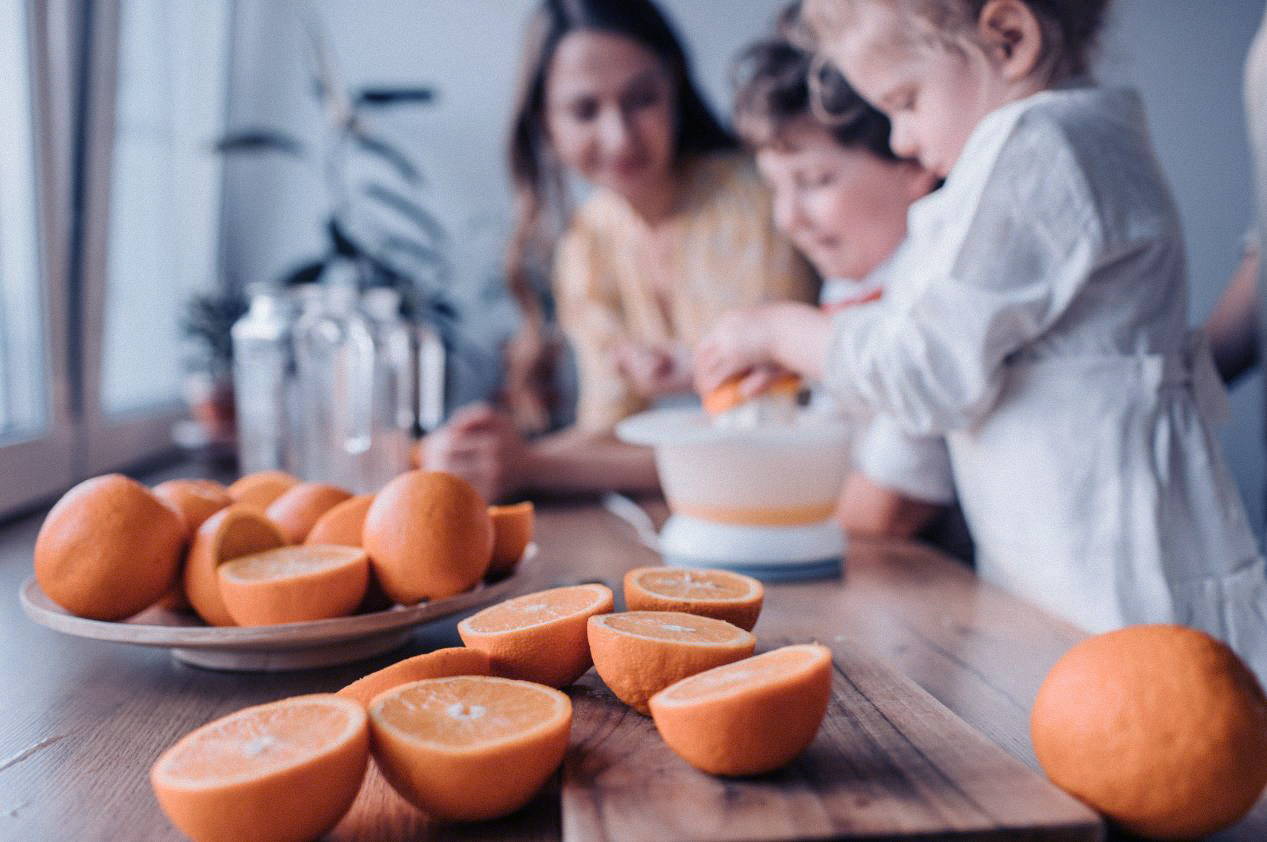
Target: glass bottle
point(393, 403)
point(261, 368)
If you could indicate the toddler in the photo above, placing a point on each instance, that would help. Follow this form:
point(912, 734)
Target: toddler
point(1044, 329)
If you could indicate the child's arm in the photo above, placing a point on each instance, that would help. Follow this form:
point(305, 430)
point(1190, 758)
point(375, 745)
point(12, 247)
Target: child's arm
point(763, 339)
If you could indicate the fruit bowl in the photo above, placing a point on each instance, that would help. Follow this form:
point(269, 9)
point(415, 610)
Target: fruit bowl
point(758, 500)
point(319, 643)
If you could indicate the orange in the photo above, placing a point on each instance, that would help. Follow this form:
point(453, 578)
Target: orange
point(469, 748)
point(285, 771)
point(342, 524)
point(429, 536)
point(1161, 728)
point(230, 533)
point(300, 506)
point(441, 663)
point(719, 594)
point(294, 584)
point(539, 636)
point(108, 548)
point(512, 533)
point(749, 717)
point(196, 499)
point(639, 653)
point(727, 396)
point(260, 489)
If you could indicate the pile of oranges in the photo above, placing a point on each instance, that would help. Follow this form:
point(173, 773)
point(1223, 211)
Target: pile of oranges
point(269, 548)
point(444, 727)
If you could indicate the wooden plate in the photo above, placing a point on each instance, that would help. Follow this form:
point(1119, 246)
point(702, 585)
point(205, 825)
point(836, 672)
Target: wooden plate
point(320, 643)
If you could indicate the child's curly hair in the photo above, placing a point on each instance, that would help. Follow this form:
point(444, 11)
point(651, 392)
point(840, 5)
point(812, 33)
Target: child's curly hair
point(1070, 28)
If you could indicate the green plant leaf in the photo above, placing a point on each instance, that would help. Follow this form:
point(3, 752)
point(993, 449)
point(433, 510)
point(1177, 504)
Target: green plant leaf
point(305, 273)
point(390, 154)
point(408, 208)
point(260, 140)
point(378, 97)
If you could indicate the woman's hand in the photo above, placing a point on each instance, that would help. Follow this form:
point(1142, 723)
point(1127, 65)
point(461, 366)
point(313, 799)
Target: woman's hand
point(483, 447)
point(654, 370)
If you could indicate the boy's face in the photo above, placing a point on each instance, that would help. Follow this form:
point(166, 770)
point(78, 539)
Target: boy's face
point(843, 207)
point(933, 94)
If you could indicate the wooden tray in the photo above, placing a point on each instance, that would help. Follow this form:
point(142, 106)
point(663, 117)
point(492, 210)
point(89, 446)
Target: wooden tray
point(890, 762)
point(291, 646)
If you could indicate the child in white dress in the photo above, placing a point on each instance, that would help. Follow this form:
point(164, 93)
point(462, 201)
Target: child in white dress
point(1044, 329)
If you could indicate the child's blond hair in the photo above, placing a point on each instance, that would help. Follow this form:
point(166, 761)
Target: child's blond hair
point(1070, 28)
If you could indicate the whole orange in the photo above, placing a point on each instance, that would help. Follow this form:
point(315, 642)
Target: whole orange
point(1161, 728)
point(301, 506)
point(108, 548)
point(429, 535)
point(196, 499)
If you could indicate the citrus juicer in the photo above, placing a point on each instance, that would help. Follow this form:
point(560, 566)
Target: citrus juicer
point(757, 499)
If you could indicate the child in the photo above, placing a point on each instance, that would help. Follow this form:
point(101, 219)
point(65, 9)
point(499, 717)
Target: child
point(842, 196)
point(1044, 333)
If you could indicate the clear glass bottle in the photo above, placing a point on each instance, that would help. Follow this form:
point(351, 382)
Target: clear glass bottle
point(335, 351)
point(262, 365)
point(430, 370)
point(393, 410)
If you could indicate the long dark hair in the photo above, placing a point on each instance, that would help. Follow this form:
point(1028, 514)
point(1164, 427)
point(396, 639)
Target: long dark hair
point(539, 180)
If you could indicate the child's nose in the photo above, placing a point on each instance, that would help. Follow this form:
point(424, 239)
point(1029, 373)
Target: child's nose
point(615, 131)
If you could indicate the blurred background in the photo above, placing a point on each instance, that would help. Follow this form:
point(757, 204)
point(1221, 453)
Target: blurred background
point(127, 235)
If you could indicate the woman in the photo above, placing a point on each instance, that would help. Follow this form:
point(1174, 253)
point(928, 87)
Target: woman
point(842, 196)
point(677, 231)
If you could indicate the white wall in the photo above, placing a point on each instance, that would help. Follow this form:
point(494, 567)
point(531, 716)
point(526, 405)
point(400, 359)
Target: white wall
point(1185, 55)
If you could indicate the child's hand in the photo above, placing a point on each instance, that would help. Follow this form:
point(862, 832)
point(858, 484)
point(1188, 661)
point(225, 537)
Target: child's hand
point(655, 371)
point(740, 342)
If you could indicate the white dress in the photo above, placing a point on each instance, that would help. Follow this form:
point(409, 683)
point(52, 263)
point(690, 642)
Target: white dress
point(1046, 338)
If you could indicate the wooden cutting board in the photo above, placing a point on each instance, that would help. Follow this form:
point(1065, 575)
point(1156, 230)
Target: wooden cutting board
point(890, 762)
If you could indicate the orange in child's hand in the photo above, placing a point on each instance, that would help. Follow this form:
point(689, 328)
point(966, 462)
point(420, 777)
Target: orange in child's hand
point(260, 489)
point(469, 748)
point(539, 636)
point(342, 524)
point(639, 653)
point(719, 594)
point(429, 536)
point(1161, 728)
point(302, 505)
point(285, 771)
point(512, 533)
point(749, 717)
point(728, 394)
point(442, 663)
point(230, 533)
point(108, 548)
point(294, 584)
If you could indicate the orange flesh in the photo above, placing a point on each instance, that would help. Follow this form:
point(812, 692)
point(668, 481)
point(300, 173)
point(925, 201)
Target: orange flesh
point(462, 712)
point(675, 626)
point(535, 609)
point(261, 742)
point(288, 562)
point(741, 675)
point(696, 585)
point(757, 515)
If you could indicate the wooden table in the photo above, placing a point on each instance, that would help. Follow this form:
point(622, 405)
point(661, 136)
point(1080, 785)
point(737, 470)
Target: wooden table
point(81, 721)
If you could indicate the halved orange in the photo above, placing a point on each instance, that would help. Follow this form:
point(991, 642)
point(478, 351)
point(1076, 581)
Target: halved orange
point(469, 748)
point(342, 524)
point(539, 636)
point(512, 533)
point(286, 771)
point(720, 594)
point(302, 505)
point(749, 717)
point(639, 653)
point(294, 584)
point(260, 489)
point(228, 534)
point(442, 663)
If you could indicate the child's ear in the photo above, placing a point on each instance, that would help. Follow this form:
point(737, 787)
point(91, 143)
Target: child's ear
point(1012, 36)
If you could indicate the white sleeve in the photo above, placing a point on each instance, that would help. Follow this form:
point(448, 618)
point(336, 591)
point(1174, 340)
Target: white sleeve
point(1005, 264)
point(916, 466)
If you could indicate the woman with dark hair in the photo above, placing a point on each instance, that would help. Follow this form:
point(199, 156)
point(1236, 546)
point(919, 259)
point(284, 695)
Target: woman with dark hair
point(677, 230)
